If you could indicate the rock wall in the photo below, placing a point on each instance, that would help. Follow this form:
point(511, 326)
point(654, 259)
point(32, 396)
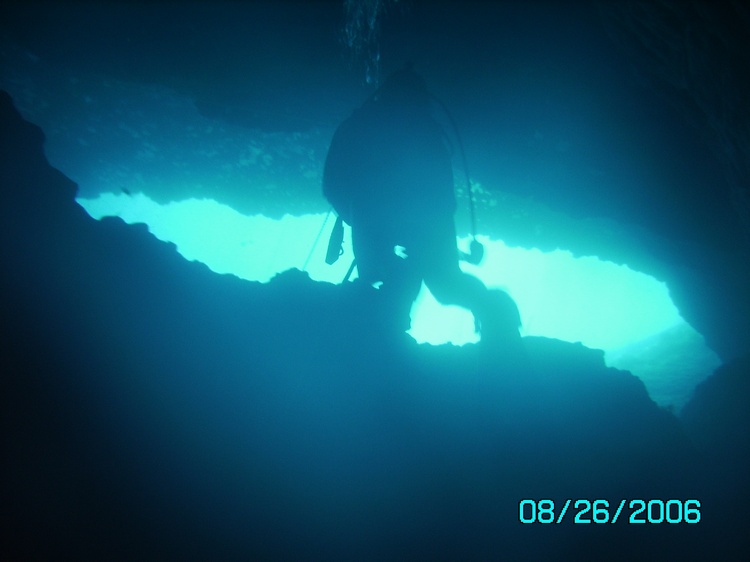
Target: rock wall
point(698, 54)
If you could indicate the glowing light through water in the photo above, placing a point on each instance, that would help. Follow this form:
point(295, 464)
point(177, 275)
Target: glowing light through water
point(600, 304)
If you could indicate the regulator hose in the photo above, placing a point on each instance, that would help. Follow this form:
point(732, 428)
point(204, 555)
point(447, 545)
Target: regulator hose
point(476, 249)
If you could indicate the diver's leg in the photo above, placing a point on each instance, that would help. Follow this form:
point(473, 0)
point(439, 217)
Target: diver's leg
point(399, 291)
point(494, 311)
point(369, 251)
point(397, 282)
point(436, 254)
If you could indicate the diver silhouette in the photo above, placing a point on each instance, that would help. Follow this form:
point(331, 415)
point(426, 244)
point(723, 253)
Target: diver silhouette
point(388, 174)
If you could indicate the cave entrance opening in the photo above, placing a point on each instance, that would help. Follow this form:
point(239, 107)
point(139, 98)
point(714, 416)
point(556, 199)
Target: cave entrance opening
point(626, 313)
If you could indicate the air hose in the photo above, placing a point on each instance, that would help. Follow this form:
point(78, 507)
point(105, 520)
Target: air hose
point(476, 249)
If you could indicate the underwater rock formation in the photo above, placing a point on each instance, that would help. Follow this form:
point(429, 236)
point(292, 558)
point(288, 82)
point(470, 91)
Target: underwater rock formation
point(696, 57)
point(697, 54)
point(157, 410)
point(718, 418)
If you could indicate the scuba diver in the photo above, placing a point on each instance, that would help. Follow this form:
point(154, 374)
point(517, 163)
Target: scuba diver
point(388, 174)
